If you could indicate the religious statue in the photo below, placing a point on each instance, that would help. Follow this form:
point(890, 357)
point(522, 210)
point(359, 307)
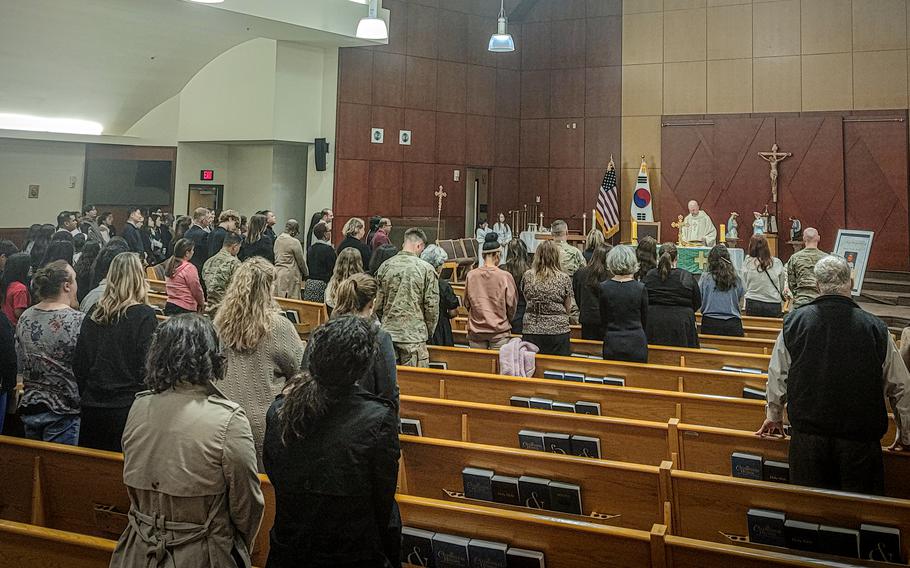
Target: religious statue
point(699, 228)
point(680, 225)
point(758, 225)
point(732, 226)
point(774, 157)
point(796, 229)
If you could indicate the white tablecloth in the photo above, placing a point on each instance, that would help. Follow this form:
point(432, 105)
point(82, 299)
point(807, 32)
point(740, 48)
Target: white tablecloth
point(529, 238)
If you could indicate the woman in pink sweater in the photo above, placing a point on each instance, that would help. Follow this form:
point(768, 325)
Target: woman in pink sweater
point(184, 291)
point(491, 299)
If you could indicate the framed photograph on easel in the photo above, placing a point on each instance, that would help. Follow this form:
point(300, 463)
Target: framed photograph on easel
point(855, 246)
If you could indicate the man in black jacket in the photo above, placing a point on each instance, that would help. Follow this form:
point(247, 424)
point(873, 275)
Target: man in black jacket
point(833, 365)
point(199, 234)
point(131, 231)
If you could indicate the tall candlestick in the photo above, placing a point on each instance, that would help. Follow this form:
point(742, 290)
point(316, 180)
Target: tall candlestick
point(723, 233)
point(634, 232)
point(540, 226)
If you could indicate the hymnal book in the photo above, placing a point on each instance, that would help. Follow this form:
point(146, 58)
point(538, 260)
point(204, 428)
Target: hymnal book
point(521, 401)
point(292, 316)
point(450, 551)
point(486, 554)
point(565, 497)
point(159, 311)
point(747, 466)
point(557, 443)
point(505, 490)
point(534, 492)
point(478, 483)
point(767, 527)
point(439, 365)
point(586, 446)
point(575, 377)
point(521, 558)
point(731, 369)
point(531, 440)
point(776, 471)
point(417, 546)
point(749, 370)
point(594, 380)
point(880, 543)
point(614, 381)
point(838, 541)
point(554, 375)
point(754, 394)
point(584, 407)
point(564, 407)
point(410, 426)
point(801, 535)
point(541, 403)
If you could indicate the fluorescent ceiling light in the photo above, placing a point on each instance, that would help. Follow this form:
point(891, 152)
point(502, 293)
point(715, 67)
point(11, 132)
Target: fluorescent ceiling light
point(207, 1)
point(501, 41)
point(10, 121)
point(372, 27)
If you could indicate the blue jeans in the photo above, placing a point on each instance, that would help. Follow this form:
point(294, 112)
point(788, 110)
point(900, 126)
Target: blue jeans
point(52, 427)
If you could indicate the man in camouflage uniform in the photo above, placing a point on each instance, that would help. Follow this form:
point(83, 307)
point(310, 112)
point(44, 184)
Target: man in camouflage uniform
point(570, 258)
point(800, 269)
point(408, 300)
point(218, 270)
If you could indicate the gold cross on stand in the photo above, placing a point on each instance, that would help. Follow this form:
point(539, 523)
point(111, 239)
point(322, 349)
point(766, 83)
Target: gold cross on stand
point(701, 260)
point(441, 194)
point(680, 224)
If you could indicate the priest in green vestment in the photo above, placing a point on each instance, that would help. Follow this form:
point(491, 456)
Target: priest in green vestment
point(698, 228)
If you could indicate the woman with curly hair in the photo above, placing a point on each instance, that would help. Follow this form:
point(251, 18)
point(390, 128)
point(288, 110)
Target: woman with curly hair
point(721, 294)
point(188, 459)
point(262, 346)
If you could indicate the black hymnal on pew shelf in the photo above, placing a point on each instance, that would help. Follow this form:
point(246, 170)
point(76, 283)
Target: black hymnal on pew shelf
point(520, 558)
point(534, 492)
point(801, 535)
point(594, 380)
point(838, 541)
point(557, 443)
point(748, 370)
point(563, 407)
point(575, 377)
point(776, 471)
point(584, 407)
point(880, 543)
point(478, 483)
point(450, 551)
point(565, 497)
point(586, 446)
point(505, 490)
point(767, 527)
point(531, 440)
point(614, 381)
point(521, 401)
point(292, 316)
point(754, 394)
point(410, 426)
point(439, 365)
point(417, 546)
point(554, 375)
point(746, 466)
point(540, 403)
point(486, 554)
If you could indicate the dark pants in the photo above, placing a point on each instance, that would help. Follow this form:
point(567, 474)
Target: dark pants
point(713, 326)
point(594, 332)
point(550, 344)
point(175, 310)
point(102, 428)
point(763, 309)
point(836, 463)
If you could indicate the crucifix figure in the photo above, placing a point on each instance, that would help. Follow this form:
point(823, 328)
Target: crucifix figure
point(441, 194)
point(680, 224)
point(774, 157)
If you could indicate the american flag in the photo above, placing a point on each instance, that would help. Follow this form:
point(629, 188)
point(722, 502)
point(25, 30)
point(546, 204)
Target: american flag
point(607, 211)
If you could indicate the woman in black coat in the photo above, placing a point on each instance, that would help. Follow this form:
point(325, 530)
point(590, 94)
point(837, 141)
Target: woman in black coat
point(673, 299)
point(353, 238)
point(320, 259)
point(331, 452)
point(586, 286)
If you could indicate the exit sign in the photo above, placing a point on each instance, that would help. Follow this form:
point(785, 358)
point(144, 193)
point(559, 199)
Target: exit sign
point(207, 175)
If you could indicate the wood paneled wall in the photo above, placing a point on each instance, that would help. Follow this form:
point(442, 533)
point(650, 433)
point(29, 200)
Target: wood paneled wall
point(848, 170)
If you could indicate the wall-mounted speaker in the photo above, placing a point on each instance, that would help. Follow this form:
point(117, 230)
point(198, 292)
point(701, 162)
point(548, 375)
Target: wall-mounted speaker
point(322, 148)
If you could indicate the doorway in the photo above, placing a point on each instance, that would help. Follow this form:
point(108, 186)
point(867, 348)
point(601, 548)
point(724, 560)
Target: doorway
point(209, 196)
point(477, 198)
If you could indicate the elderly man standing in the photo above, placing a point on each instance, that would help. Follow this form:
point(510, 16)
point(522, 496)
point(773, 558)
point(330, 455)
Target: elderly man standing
point(800, 269)
point(408, 300)
point(831, 366)
point(382, 234)
point(698, 226)
point(570, 258)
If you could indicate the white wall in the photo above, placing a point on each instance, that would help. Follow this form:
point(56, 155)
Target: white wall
point(192, 157)
point(250, 177)
point(298, 92)
point(289, 177)
point(320, 185)
point(48, 164)
point(159, 126)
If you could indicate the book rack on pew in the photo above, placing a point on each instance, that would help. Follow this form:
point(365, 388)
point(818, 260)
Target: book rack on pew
point(668, 517)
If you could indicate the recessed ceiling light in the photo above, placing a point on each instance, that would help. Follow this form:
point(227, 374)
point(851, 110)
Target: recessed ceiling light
point(9, 121)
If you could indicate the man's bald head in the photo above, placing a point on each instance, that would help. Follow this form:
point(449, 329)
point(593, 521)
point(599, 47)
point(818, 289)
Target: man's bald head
point(693, 207)
point(810, 237)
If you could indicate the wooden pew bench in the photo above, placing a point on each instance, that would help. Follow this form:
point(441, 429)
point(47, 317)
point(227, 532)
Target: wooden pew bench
point(310, 315)
point(25, 545)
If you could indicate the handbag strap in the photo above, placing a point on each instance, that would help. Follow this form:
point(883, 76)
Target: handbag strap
point(774, 284)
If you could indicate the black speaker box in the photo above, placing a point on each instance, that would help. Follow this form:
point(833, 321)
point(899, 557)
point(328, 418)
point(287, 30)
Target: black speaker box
point(322, 148)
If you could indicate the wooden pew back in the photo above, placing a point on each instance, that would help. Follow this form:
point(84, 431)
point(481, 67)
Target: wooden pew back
point(157, 300)
point(29, 545)
point(309, 314)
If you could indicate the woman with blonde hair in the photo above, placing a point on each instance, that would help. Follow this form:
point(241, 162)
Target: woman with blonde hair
point(595, 239)
point(347, 264)
point(290, 264)
point(257, 241)
point(354, 231)
point(109, 361)
point(549, 297)
point(262, 346)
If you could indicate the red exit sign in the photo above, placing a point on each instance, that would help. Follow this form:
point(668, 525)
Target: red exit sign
point(207, 175)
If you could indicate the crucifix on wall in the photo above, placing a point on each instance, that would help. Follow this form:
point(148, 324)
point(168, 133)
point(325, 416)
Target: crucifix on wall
point(774, 157)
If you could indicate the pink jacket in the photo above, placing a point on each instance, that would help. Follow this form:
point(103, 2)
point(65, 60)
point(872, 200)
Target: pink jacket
point(184, 289)
point(516, 358)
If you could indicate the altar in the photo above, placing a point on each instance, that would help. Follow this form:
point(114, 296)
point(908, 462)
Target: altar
point(695, 259)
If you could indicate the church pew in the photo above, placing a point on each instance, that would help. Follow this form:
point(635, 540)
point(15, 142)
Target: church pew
point(665, 355)
point(23, 544)
point(157, 300)
point(632, 491)
point(621, 439)
point(157, 286)
point(618, 402)
point(708, 507)
point(565, 544)
point(310, 314)
point(639, 375)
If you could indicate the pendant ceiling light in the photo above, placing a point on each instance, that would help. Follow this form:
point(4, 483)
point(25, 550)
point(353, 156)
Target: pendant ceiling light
point(372, 27)
point(501, 41)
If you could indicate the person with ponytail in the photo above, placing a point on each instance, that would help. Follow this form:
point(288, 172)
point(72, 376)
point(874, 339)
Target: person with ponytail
point(331, 453)
point(184, 291)
point(721, 293)
point(673, 299)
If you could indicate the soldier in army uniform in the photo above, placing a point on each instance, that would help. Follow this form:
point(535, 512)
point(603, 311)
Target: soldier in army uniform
point(800, 269)
point(408, 300)
point(218, 270)
point(570, 258)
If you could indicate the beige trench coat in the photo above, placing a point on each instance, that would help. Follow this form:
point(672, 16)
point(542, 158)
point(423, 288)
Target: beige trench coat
point(189, 465)
point(290, 266)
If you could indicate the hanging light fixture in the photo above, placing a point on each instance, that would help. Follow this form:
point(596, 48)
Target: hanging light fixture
point(501, 41)
point(372, 27)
